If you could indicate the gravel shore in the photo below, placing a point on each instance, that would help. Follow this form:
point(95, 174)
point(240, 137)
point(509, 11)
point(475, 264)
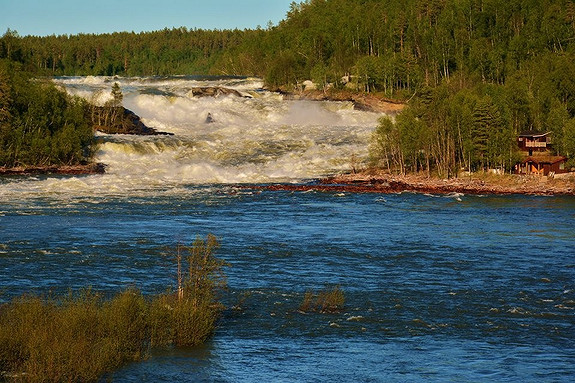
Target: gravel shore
point(481, 184)
point(471, 184)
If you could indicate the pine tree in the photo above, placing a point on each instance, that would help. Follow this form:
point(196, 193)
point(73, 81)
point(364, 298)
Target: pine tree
point(113, 110)
point(5, 99)
point(488, 126)
point(117, 96)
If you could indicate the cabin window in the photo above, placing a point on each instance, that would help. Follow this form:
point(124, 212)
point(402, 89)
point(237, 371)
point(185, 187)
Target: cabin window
point(562, 166)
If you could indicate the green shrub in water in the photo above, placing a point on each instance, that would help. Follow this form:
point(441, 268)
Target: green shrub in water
point(82, 336)
point(325, 301)
point(76, 338)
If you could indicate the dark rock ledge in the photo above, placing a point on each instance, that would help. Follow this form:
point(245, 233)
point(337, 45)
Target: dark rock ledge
point(85, 169)
point(127, 122)
point(215, 91)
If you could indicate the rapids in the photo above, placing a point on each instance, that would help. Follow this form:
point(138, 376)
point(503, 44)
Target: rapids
point(259, 138)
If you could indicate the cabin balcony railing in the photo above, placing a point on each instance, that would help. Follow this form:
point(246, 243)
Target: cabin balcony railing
point(536, 144)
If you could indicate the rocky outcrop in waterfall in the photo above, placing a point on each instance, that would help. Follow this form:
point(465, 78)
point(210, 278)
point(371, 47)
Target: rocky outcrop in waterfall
point(214, 91)
point(80, 169)
point(119, 120)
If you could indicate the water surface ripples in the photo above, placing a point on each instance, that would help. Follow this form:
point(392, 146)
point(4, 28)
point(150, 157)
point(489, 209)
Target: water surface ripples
point(460, 288)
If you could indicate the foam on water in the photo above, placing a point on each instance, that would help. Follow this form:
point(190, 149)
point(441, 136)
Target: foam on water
point(256, 139)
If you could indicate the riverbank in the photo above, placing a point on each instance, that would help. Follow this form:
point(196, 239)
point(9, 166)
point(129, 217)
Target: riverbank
point(92, 168)
point(369, 102)
point(478, 184)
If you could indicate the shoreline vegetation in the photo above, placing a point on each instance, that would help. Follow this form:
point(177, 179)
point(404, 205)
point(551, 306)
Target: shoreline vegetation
point(83, 336)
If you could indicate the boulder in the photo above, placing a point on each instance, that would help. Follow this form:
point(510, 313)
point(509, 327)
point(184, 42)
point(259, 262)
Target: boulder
point(119, 120)
point(214, 91)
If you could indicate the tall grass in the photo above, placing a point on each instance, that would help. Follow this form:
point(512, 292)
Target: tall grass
point(326, 301)
point(75, 338)
point(81, 336)
point(188, 317)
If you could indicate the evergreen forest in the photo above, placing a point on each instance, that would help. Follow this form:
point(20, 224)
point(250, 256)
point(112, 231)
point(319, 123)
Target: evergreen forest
point(474, 73)
point(40, 125)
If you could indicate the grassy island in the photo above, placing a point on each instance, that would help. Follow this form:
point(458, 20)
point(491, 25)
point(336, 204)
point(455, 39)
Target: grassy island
point(80, 336)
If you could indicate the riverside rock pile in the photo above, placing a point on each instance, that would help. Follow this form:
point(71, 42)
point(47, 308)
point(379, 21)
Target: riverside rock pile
point(366, 102)
point(386, 183)
point(92, 168)
point(128, 123)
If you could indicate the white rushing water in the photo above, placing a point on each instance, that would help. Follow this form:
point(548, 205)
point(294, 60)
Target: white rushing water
point(259, 138)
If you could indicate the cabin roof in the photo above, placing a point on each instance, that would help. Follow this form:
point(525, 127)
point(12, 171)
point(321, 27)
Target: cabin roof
point(533, 134)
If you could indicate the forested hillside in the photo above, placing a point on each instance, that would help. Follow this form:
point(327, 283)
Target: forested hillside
point(392, 46)
point(165, 52)
point(40, 125)
point(475, 72)
point(403, 45)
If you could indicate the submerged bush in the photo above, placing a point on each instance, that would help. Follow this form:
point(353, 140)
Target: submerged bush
point(181, 322)
point(76, 338)
point(325, 301)
point(188, 318)
point(81, 336)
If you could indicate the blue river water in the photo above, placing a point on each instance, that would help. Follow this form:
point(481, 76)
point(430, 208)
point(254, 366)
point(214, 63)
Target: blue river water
point(438, 288)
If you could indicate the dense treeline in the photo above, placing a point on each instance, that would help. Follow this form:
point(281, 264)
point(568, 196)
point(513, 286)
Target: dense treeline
point(166, 52)
point(396, 47)
point(448, 129)
point(40, 125)
point(475, 72)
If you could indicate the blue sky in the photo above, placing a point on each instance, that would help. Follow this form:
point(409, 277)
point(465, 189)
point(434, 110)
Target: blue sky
point(46, 17)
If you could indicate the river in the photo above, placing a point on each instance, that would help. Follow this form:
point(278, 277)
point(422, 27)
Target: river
point(438, 288)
